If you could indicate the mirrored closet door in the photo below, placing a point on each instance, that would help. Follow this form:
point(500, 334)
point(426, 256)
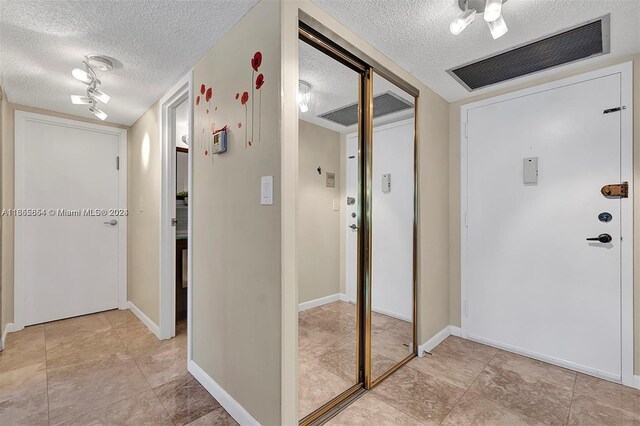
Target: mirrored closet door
point(356, 225)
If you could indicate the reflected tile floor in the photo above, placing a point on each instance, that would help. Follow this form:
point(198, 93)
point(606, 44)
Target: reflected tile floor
point(466, 383)
point(327, 351)
point(101, 369)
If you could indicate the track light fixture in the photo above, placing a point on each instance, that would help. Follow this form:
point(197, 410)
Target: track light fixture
point(88, 76)
point(492, 15)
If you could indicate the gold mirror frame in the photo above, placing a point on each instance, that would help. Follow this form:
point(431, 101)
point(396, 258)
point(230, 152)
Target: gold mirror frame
point(313, 33)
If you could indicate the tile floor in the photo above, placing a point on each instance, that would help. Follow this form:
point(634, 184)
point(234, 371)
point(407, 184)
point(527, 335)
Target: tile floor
point(327, 351)
point(461, 383)
point(101, 369)
point(466, 383)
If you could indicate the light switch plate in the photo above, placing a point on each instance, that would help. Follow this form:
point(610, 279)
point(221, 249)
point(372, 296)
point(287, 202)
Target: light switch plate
point(530, 166)
point(336, 205)
point(386, 183)
point(266, 190)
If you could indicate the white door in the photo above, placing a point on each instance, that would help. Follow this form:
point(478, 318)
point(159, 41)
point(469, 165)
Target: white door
point(67, 256)
point(351, 216)
point(534, 283)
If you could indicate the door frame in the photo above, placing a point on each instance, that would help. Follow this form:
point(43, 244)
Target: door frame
point(179, 93)
point(21, 119)
point(626, 174)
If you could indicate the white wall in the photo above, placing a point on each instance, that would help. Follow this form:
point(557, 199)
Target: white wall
point(319, 229)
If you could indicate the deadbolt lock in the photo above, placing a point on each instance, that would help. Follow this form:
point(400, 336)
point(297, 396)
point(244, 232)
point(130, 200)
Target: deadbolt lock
point(619, 190)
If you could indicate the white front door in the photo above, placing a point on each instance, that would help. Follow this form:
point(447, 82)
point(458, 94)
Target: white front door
point(534, 283)
point(67, 255)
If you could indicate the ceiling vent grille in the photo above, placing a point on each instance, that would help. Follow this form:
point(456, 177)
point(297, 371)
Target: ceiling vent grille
point(384, 104)
point(584, 41)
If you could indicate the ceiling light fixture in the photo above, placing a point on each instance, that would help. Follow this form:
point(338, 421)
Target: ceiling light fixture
point(304, 95)
point(498, 27)
point(492, 14)
point(88, 76)
point(98, 113)
point(81, 100)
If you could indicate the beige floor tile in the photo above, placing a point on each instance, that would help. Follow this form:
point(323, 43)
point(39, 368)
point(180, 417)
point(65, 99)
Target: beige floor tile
point(218, 417)
point(450, 366)
point(537, 399)
point(370, 411)
point(23, 348)
point(533, 370)
point(588, 411)
point(466, 349)
point(418, 395)
point(185, 399)
point(475, 410)
point(317, 386)
point(162, 367)
point(606, 392)
point(23, 396)
point(141, 410)
point(81, 388)
point(140, 341)
point(120, 317)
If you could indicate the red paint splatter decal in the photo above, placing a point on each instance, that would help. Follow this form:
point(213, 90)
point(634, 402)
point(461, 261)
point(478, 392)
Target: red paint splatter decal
point(198, 101)
point(256, 61)
point(259, 81)
point(202, 89)
point(239, 125)
point(209, 94)
point(245, 98)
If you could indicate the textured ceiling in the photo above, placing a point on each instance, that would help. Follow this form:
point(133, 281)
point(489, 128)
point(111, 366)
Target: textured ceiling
point(415, 33)
point(334, 86)
point(155, 42)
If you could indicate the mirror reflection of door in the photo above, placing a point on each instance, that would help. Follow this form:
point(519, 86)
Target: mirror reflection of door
point(327, 325)
point(392, 227)
point(182, 211)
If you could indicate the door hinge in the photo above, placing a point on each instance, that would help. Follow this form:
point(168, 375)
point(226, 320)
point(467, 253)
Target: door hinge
point(118, 163)
point(610, 110)
point(618, 190)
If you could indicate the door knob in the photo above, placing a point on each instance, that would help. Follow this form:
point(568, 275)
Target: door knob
point(603, 238)
point(112, 222)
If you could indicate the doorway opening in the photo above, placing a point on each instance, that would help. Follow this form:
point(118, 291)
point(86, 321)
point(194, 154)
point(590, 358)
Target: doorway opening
point(175, 211)
point(356, 229)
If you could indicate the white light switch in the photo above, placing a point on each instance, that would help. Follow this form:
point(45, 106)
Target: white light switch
point(530, 170)
point(386, 183)
point(336, 205)
point(266, 190)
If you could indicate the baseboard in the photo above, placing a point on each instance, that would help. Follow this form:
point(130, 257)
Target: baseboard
point(392, 314)
point(636, 382)
point(435, 340)
point(321, 301)
point(232, 406)
point(8, 328)
point(343, 297)
point(152, 326)
point(455, 331)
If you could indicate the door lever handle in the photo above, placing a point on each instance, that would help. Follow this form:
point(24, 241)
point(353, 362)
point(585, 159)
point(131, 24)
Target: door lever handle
point(112, 222)
point(353, 226)
point(603, 238)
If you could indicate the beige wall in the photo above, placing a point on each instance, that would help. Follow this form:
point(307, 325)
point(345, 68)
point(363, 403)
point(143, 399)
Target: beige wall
point(143, 242)
point(236, 284)
point(433, 151)
point(8, 171)
point(3, 108)
point(454, 188)
point(318, 225)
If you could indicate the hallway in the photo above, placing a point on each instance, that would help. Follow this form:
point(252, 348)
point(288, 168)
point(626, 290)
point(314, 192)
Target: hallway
point(105, 368)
